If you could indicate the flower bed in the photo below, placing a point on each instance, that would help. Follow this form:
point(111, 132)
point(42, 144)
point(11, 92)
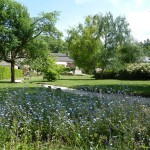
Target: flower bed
point(45, 118)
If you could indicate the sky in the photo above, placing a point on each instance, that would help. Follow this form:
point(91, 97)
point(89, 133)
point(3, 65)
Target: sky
point(73, 12)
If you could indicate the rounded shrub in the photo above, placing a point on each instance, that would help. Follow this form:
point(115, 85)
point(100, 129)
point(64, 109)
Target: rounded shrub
point(136, 71)
point(51, 74)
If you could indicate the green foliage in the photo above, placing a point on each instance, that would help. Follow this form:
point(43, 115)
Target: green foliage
point(37, 49)
point(50, 69)
point(68, 70)
point(18, 73)
point(51, 74)
point(55, 44)
point(18, 30)
point(106, 74)
point(136, 71)
point(146, 47)
point(130, 52)
point(95, 42)
point(83, 45)
point(5, 73)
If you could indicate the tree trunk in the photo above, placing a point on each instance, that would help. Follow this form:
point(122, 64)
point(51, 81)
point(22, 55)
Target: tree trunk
point(13, 71)
point(102, 72)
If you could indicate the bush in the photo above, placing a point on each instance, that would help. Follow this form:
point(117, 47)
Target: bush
point(68, 71)
point(18, 73)
point(51, 75)
point(52, 72)
point(135, 71)
point(5, 73)
point(107, 74)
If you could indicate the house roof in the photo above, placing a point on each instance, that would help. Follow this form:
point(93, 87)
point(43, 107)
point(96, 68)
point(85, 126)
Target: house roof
point(62, 57)
point(4, 63)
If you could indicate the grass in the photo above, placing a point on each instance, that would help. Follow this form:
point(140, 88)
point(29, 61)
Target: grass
point(33, 117)
point(134, 87)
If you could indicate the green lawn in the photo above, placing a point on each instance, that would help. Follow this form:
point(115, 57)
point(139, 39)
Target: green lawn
point(136, 87)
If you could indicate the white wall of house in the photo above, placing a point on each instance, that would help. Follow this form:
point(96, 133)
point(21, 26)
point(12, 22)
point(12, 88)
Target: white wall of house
point(62, 63)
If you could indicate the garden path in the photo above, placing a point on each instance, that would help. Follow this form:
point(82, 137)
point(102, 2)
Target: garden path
point(99, 95)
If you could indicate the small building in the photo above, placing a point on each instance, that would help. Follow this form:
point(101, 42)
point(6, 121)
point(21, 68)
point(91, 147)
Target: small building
point(6, 64)
point(63, 59)
point(146, 59)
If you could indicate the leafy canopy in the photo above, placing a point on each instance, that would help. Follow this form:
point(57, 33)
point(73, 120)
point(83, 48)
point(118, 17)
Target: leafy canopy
point(18, 31)
point(94, 43)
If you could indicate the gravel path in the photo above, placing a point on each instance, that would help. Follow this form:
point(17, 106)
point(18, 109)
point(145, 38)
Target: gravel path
point(99, 95)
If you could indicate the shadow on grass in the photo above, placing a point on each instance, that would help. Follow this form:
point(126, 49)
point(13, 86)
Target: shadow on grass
point(7, 85)
point(1, 82)
point(78, 79)
point(25, 89)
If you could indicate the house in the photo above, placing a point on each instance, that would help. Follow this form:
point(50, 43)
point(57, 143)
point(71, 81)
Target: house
point(146, 59)
point(63, 59)
point(6, 64)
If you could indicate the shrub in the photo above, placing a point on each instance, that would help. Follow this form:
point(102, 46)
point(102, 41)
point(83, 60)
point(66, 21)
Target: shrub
point(5, 73)
point(107, 74)
point(51, 74)
point(68, 70)
point(1, 72)
point(136, 71)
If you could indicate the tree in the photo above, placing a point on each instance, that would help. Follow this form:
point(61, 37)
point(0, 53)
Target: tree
point(146, 46)
point(114, 32)
point(55, 45)
point(129, 52)
point(94, 44)
point(83, 45)
point(17, 29)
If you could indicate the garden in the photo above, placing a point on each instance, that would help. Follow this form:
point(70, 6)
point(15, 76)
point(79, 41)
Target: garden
point(35, 117)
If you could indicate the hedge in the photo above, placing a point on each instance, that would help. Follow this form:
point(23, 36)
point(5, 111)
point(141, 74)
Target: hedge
point(135, 71)
point(5, 73)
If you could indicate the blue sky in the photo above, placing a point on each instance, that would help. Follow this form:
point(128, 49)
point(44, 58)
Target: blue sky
point(137, 12)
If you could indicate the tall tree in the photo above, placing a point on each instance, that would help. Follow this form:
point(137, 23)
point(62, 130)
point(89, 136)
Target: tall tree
point(130, 52)
point(83, 45)
point(146, 46)
point(95, 43)
point(113, 32)
point(17, 29)
point(55, 45)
